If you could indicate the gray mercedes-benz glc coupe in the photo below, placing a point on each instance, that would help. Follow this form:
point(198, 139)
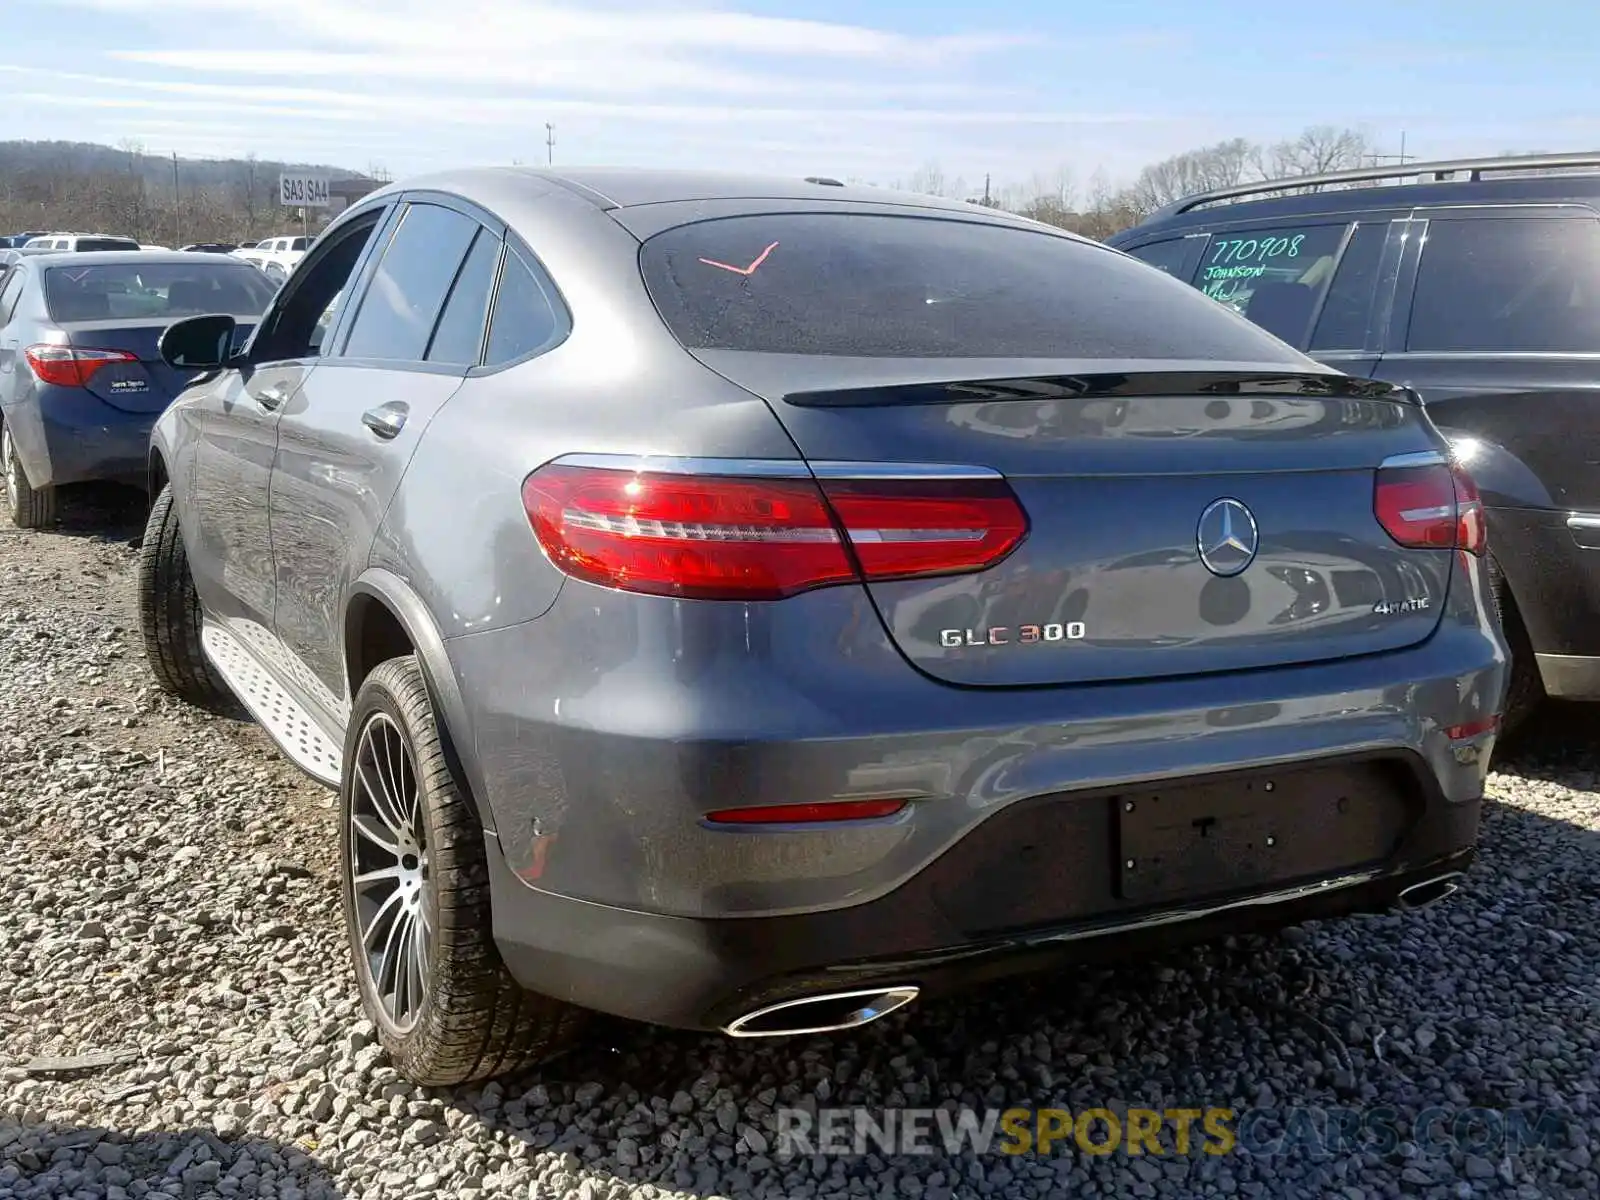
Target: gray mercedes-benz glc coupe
point(748, 604)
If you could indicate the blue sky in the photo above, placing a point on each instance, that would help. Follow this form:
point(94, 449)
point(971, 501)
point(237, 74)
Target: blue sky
point(871, 89)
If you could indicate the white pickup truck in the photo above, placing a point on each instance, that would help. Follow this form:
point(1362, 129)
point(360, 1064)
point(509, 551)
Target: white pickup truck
point(276, 256)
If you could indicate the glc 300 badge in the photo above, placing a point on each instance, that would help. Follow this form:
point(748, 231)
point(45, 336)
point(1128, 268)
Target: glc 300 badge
point(1005, 635)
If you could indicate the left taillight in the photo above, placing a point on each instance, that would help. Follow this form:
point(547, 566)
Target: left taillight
point(732, 537)
point(1431, 506)
point(71, 366)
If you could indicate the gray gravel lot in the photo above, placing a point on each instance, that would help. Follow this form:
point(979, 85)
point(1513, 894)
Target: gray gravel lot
point(167, 897)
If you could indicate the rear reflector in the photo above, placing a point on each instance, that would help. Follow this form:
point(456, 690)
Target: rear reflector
point(725, 537)
point(71, 366)
point(802, 814)
point(1458, 733)
point(1431, 507)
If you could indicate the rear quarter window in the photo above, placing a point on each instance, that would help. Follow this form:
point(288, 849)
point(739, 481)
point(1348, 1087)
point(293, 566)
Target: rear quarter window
point(896, 286)
point(1508, 284)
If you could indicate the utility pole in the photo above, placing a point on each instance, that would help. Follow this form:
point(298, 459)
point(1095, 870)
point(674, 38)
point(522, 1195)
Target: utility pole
point(1402, 158)
point(986, 189)
point(177, 205)
point(549, 142)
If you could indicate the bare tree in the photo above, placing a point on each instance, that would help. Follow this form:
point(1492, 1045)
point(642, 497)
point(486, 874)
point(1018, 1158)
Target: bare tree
point(927, 179)
point(1222, 165)
point(1320, 149)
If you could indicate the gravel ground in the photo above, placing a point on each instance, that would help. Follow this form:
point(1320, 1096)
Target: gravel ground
point(167, 898)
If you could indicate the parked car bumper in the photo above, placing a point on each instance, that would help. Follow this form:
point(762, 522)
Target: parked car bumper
point(612, 891)
point(69, 436)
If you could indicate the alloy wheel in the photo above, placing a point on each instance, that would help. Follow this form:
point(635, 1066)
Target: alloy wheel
point(389, 870)
point(8, 456)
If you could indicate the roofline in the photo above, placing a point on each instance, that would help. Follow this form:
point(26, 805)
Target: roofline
point(1442, 172)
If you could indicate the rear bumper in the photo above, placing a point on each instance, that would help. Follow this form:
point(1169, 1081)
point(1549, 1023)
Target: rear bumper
point(703, 974)
point(67, 435)
point(612, 892)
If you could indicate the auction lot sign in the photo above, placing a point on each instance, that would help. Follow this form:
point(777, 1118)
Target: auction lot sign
point(303, 191)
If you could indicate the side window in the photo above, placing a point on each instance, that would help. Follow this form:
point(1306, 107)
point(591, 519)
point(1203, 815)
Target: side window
point(10, 293)
point(402, 302)
point(459, 337)
point(1343, 323)
point(1169, 256)
point(525, 316)
point(295, 325)
point(1274, 276)
point(1508, 284)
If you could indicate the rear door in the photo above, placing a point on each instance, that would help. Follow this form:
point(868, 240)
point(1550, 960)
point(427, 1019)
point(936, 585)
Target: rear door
point(413, 331)
point(1140, 426)
point(1497, 325)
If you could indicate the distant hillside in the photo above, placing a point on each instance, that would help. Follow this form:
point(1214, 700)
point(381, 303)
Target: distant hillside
point(107, 189)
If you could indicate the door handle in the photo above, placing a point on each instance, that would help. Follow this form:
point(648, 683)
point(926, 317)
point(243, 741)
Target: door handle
point(386, 420)
point(272, 398)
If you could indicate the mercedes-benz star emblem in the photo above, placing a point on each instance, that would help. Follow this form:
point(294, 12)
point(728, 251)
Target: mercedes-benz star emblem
point(1227, 537)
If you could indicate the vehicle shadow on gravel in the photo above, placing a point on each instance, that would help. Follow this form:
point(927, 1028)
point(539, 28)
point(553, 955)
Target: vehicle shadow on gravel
point(1561, 738)
point(102, 512)
point(45, 1159)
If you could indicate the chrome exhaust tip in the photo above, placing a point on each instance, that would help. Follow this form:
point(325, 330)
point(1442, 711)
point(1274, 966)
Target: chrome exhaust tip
point(830, 1012)
point(1430, 891)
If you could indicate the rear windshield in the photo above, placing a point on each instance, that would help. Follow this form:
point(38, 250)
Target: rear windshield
point(138, 290)
point(300, 243)
point(106, 244)
point(914, 287)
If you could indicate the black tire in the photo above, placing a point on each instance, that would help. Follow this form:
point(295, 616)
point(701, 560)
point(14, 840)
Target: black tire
point(473, 1021)
point(1525, 694)
point(30, 507)
point(169, 615)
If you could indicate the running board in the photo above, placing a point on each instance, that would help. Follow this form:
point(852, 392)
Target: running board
point(283, 717)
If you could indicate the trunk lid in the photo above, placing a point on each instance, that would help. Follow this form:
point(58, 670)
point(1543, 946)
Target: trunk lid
point(147, 385)
point(1121, 469)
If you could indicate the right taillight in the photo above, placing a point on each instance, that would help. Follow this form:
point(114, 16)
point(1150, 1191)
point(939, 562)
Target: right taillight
point(1430, 506)
point(718, 536)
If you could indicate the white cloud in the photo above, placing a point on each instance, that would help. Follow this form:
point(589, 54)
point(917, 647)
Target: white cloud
point(627, 80)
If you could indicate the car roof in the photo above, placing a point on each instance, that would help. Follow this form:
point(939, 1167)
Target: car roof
point(1572, 178)
point(629, 187)
point(101, 258)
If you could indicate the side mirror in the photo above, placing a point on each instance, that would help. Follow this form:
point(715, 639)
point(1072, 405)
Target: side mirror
point(198, 343)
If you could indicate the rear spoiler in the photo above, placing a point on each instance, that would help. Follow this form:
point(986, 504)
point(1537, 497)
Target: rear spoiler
point(1092, 385)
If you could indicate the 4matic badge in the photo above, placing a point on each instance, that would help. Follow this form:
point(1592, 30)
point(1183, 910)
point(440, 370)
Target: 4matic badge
point(1390, 608)
point(1005, 635)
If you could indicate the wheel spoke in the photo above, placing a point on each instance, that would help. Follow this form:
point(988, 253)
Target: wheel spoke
point(386, 773)
point(377, 924)
point(379, 836)
point(371, 878)
point(379, 796)
point(389, 960)
point(416, 964)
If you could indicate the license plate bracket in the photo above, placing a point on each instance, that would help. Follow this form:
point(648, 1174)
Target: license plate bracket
point(1200, 841)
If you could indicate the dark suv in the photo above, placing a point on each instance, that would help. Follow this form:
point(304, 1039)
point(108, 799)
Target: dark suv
point(1477, 284)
